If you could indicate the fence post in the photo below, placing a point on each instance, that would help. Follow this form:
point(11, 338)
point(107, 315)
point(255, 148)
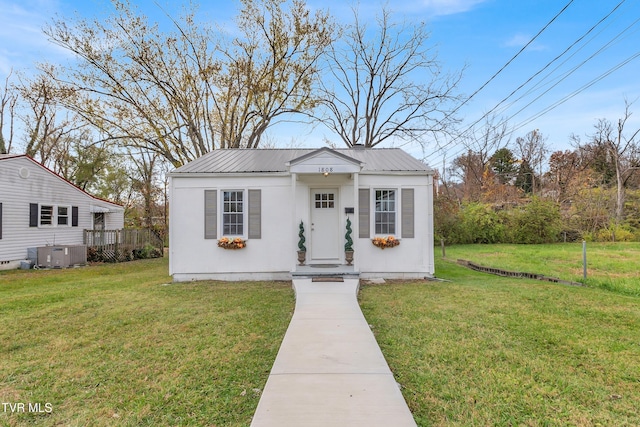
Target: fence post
point(584, 260)
point(443, 250)
point(116, 253)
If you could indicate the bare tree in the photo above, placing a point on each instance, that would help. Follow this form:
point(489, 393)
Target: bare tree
point(8, 101)
point(481, 143)
point(532, 150)
point(270, 71)
point(46, 124)
point(137, 85)
point(565, 171)
point(623, 150)
point(183, 93)
point(385, 84)
point(144, 174)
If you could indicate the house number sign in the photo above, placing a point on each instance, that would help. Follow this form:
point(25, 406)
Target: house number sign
point(324, 169)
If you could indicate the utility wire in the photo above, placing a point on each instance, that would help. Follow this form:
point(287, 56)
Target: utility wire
point(539, 72)
point(577, 91)
point(497, 73)
point(557, 58)
point(566, 98)
point(574, 69)
point(511, 60)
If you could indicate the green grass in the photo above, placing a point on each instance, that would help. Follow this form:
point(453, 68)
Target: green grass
point(485, 350)
point(118, 344)
point(612, 266)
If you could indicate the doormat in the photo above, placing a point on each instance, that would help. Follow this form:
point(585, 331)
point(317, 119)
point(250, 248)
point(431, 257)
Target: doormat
point(324, 265)
point(327, 279)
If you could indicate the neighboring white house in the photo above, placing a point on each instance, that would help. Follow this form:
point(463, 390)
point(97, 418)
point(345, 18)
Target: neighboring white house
point(261, 196)
point(40, 208)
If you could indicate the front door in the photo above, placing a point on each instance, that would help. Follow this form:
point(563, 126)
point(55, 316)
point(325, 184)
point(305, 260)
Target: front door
point(325, 236)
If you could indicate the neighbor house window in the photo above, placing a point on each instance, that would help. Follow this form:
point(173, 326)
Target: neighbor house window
point(233, 213)
point(63, 215)
point(46, 215)
point(385, 213)
point(52, 215)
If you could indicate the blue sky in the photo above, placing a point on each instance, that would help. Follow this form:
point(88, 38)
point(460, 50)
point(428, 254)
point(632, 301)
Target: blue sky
point(479, 34)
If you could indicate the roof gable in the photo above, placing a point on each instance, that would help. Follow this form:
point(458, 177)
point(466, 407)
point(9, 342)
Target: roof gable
point(31, 161)
point(324, 160)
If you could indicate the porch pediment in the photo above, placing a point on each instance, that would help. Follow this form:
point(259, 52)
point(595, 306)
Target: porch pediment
point(324, 160)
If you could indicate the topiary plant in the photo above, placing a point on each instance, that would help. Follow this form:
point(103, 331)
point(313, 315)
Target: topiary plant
point(301, 246)
point(348, 245)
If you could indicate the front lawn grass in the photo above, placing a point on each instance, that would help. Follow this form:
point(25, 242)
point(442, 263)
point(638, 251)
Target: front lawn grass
point(119, 344)
point(486, 350)
point(612, 266)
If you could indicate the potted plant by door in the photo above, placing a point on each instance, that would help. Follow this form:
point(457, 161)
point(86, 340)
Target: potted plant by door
point(302, 250)
point(348, 246)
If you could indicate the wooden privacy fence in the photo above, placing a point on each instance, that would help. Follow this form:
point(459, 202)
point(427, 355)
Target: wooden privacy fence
point(122, 245)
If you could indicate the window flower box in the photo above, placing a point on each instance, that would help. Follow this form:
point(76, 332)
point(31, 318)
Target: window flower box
point(228, 243)
point(385, 242)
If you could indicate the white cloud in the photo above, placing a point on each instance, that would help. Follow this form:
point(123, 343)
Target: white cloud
point(21, 37)
point(448, 7)
point(519, 40)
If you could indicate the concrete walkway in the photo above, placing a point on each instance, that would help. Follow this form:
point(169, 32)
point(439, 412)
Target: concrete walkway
point(329, 370)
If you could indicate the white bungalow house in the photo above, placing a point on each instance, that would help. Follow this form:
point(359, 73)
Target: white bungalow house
point(40, 208)
point(261, 196)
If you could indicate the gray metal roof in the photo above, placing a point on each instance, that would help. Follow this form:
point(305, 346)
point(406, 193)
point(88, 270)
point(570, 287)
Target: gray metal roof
point(275, 160)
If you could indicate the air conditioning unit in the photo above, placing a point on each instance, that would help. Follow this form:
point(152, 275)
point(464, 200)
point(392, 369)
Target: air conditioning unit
point(62, 256)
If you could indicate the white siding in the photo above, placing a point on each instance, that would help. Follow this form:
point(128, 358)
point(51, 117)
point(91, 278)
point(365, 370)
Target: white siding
point(22, 182)
point(414, 256)
point(192, 256)
point(274, 255)
point(285, 201)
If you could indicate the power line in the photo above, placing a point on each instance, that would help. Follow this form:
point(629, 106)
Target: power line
point(577, 91)
point(541, 70)
point(500, 71)
point(512, 59)
point(557, 58)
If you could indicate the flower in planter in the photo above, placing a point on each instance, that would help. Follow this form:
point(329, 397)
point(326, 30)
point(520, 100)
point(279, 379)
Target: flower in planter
point(227, 243)
point(385, 242)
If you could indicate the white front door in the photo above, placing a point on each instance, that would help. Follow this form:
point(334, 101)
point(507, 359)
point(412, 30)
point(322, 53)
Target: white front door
point(325, 236)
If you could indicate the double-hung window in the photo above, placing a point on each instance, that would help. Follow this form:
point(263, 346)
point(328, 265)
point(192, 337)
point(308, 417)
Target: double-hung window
point(233, 213)
point(46, 215)
point(385, 212)
point(63, 215)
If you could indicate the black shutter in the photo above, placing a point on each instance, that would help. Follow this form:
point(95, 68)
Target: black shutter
point(364, 225)
point(210, 214)
point(74, 216)
point(33, 215)
point(408, 214)
point(255, 214)
point(0, 220)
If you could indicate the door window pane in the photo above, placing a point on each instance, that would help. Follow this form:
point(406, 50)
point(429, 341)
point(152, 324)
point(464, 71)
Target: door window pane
point(324, 200)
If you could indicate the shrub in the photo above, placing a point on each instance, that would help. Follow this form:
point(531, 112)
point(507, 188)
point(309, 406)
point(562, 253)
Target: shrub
point(447, 218)
point(480, 224)
point(537, 222)
point(614, 233)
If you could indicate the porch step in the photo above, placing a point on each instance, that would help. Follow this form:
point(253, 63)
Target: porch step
point(325, 271)
point(327, 279)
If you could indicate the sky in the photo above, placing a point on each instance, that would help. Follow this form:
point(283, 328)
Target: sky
point(580, 63)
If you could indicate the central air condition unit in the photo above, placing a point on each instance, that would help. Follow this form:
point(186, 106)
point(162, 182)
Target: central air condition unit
point(62, 256)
